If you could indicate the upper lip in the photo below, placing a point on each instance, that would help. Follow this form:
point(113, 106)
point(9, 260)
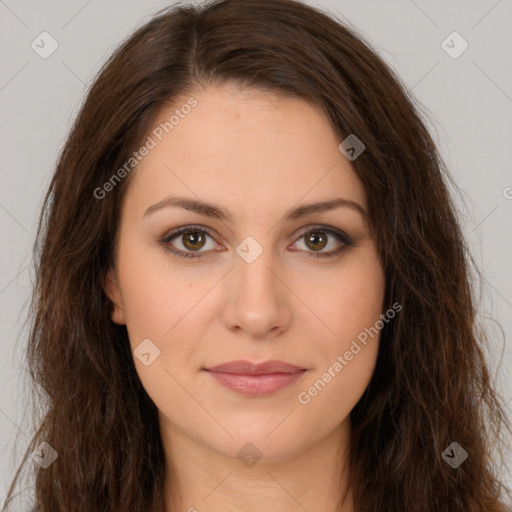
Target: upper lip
point(244, 367)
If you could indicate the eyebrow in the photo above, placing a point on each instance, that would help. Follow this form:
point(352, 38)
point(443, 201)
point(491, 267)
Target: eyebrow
point(211, 210)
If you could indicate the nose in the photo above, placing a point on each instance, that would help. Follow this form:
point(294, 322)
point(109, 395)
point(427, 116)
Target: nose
point(257, 299)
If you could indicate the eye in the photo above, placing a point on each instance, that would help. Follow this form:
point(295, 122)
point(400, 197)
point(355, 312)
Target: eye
point(193, 239)
point(316, 238)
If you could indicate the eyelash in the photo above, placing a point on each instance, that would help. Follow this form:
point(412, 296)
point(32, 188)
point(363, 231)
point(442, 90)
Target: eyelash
point(342, 237)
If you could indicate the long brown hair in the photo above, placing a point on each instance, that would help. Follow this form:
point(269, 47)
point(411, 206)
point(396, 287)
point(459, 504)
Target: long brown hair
point(431, 386)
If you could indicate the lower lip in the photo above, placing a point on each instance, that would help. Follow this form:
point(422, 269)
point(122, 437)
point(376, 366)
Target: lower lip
point(256, 385)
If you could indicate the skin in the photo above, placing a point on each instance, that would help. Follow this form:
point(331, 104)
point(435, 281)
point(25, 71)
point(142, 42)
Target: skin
point(257, 155)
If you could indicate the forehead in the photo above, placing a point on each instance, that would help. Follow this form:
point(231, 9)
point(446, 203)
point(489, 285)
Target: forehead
point(243, 149)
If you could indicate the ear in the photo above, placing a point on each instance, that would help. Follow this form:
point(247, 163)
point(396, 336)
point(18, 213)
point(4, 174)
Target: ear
point(111, 287)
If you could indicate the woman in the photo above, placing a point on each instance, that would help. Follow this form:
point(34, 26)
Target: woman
point(252, 288)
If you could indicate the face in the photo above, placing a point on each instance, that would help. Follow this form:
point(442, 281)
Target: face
point(257, 284)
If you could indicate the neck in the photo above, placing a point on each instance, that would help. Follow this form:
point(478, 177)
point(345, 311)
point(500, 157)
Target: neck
point(200, 478)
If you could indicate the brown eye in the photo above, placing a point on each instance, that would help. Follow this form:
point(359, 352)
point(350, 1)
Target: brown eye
point(316, 240)
point(193, 240)
point(189, 240)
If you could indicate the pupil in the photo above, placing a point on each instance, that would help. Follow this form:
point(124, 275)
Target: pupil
point(315, 239)
point(192, 239)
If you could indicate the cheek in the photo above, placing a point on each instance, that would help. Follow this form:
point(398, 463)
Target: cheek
point(154, 298)
point(327, 399)
point(344, 301)
point(159, 307)
point(351, 306)
point(162, 304)
point(147, 301)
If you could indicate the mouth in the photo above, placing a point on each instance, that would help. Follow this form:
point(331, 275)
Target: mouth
point(256, 379)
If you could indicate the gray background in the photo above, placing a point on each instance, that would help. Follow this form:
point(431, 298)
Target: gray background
point(467, 103)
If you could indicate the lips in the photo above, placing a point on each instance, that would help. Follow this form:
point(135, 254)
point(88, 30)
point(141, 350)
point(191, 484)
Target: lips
point(247, 368)
point(256, 379)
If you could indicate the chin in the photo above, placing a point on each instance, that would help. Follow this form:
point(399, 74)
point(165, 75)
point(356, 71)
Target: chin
point(266, 439)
